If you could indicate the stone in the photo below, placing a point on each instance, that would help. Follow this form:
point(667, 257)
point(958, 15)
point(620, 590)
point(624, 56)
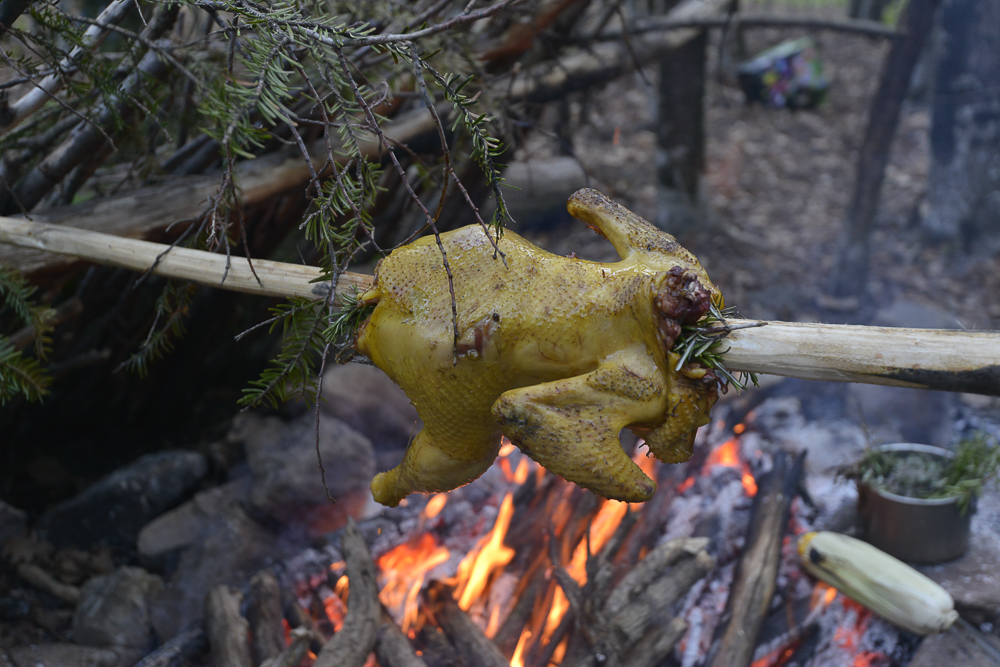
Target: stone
point(13, 522)
point(973, 580)
point(70, 655)
point(960, 646)
point(162, 541)
point(229, 548)
point(288, 485)
point(112, 511)
point(364, 398)
point(113, 610)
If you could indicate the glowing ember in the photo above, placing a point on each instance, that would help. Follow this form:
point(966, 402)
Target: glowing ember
point(521, 474)
point(749, 484)
point(435, 505)
point(402, 572)
point(685, 485)
point(489, 556)
point(507, 448)
point(739, 428)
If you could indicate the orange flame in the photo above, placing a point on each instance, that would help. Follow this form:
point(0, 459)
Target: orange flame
point(507, 448)
point(489, 555)
point(601, 529)
point(685, 485)
point(517, 660)
point(727, 455)
point(402, 572)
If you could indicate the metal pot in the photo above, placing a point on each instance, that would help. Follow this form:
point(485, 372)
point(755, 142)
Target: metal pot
point(912, 529)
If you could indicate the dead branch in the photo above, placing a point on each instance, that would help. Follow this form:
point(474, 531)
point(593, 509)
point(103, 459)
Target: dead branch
point(661, 23)
point(227, 630)
point(50, 86)
point(44, 581)
point(755, 579)
point(350, 647)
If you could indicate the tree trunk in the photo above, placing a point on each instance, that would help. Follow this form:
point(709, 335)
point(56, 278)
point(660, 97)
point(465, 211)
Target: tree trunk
point(680, 159)
point(964, 185)
point(851, 271)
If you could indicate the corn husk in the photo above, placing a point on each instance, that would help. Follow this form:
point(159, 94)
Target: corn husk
point(884, 584)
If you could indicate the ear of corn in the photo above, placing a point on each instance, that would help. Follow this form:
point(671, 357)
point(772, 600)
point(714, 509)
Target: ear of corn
point(886, 585)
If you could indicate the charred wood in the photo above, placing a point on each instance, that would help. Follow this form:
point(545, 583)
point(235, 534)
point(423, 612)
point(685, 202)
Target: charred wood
point(392, 648)
point(265, 615)
point(292, 656)
point(350, 647)
point(227, 630)
point(474, 646)
point(182, 649)
point(755, 579)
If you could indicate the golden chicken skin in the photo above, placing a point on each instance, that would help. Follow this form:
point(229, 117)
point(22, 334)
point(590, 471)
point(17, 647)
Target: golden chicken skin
point(559, 354)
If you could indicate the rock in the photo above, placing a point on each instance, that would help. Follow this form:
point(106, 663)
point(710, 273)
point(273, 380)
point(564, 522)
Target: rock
point(113, 610)
point(959, 646)
point(228, 549)
point(13, 522)
point(364, 398)
point(288, 485)
point(113, 510)
point(539, 190)
point(162, 541)
point(70, 655)
point(973, 580)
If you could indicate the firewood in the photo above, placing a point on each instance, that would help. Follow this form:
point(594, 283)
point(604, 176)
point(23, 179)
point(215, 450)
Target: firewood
point(292, 656)
point(183, 649)
point(350, 647)
point(265, 616)
point(656, 645)
point(227, 630)
point(392, 648)
point(755, 579)
point(965, 361)
point(465, 635)
point(650, 568)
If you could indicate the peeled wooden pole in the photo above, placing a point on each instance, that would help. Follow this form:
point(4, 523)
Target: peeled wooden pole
point(965, 361)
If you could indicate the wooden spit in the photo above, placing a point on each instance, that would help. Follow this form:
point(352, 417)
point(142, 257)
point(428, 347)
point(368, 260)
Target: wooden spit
point(963, 361)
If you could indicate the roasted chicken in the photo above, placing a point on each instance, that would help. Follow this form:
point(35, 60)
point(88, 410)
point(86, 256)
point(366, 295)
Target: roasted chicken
point(558, 354)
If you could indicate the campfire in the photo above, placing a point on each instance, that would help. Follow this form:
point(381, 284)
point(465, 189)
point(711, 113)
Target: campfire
point(526, 569)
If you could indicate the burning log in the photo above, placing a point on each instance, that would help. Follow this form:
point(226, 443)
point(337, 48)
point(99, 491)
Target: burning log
point(227, 630)
point(350, 647)
point(755, 579)
point(265, 615)
point(392, 648)
point(633, 625)
point(964, 361)
point(465, 635)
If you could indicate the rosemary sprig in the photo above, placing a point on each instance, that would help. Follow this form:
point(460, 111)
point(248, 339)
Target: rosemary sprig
point(702, 342)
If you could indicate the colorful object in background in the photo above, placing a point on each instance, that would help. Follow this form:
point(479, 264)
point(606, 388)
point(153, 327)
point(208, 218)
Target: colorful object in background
point(787, 75)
